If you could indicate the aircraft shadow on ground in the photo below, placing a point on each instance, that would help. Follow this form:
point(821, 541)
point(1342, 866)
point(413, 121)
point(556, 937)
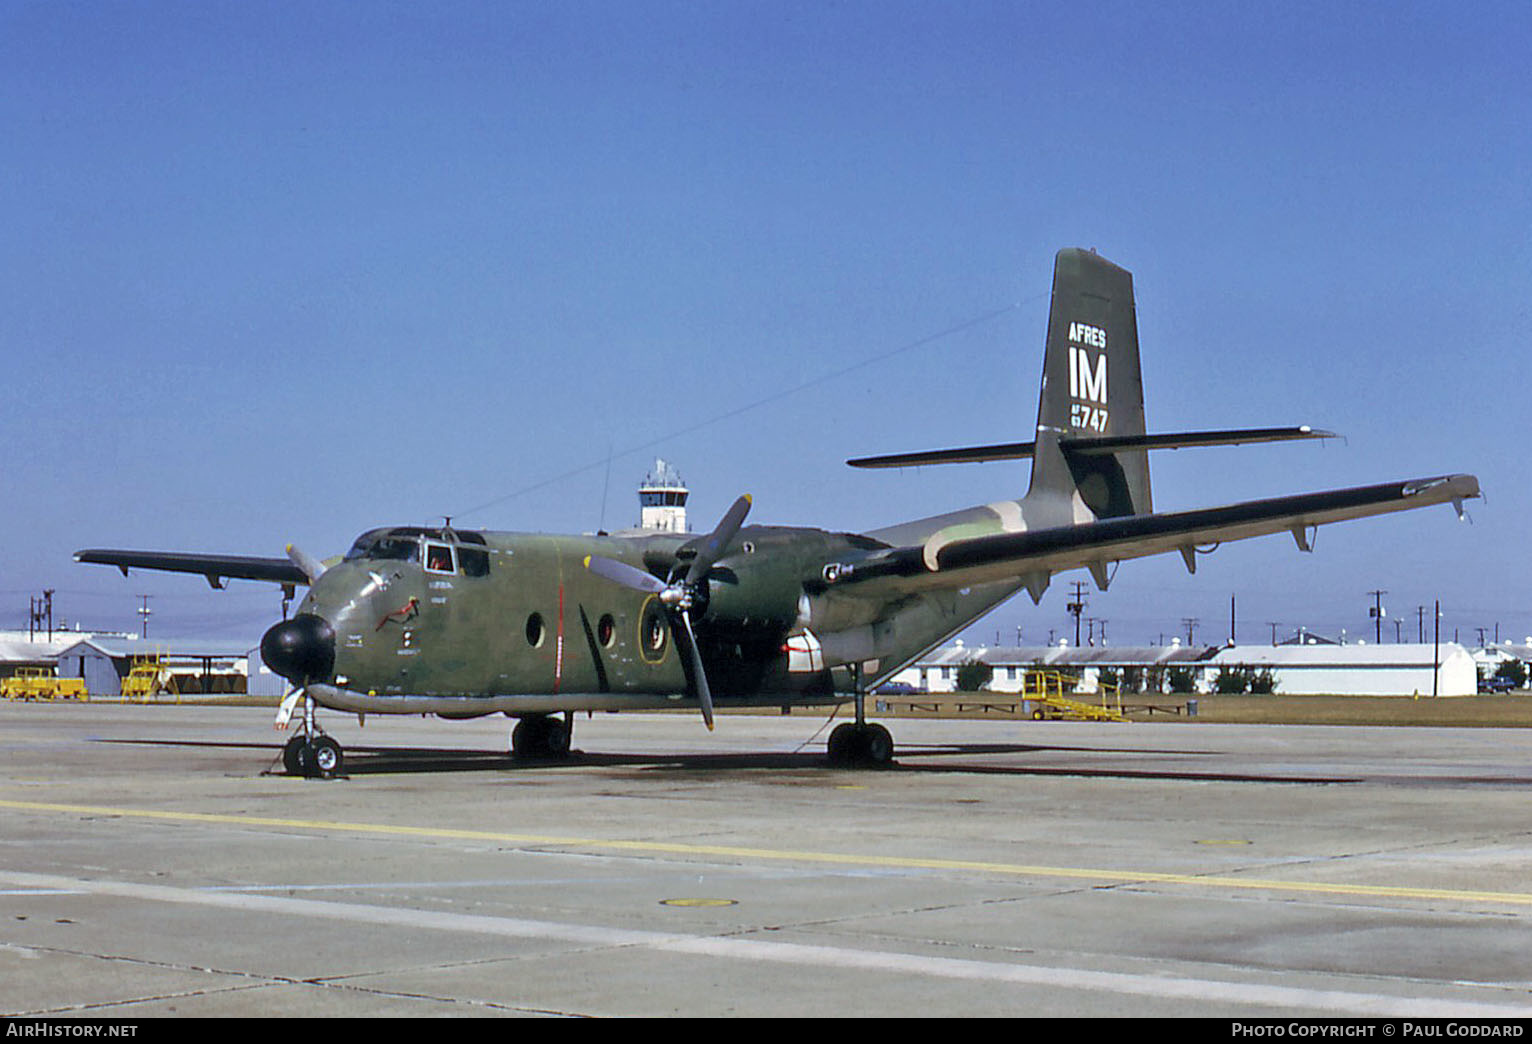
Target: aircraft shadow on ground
point(945, 758)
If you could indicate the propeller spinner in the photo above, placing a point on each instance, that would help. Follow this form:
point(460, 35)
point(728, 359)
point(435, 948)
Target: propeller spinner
point(680, 595)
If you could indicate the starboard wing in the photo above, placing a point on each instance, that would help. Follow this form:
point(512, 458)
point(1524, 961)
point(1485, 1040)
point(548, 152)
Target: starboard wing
point(1037, 554)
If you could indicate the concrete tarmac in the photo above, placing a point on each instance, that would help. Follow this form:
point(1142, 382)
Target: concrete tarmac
point(155, 862)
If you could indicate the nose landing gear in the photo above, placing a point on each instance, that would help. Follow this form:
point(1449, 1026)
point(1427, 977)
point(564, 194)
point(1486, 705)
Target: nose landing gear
point(310, 753)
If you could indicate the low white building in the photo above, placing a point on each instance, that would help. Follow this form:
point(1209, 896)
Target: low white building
point(1315, 669)
point(937, 671)
point(1357, 670)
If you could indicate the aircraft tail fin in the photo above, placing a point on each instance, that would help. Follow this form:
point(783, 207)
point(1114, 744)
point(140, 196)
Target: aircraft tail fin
point(1092, 390)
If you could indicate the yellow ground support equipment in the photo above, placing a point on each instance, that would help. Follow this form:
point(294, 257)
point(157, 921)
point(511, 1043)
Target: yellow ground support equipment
point(1047, 691)
point(147, 678)
point(42, 683)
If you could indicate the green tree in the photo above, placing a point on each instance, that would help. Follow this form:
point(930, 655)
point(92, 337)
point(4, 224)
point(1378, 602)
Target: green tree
point(1233, 679)
point(973, 675)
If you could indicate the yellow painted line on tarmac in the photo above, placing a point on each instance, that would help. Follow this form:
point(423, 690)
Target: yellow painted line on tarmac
point(1101, 876)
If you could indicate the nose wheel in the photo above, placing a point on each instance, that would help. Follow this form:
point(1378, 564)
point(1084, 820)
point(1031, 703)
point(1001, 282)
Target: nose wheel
point(310, 753)
point(313, 756)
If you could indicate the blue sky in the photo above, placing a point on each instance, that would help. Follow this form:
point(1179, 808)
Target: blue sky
point(283, 272)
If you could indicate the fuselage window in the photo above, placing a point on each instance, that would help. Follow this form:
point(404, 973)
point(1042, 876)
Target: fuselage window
point(439, 559)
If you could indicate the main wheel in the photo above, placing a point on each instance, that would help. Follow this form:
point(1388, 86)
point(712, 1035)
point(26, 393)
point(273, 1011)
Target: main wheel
point(843, 744)
point(877, 745)
point(853, 744)
point(541, 736)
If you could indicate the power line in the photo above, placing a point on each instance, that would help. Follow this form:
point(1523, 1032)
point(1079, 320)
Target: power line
point(967, 324)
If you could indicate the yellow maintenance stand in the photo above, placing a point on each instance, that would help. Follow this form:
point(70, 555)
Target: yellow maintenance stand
point(1047, 692)
point(147, 678)
point(42, 683)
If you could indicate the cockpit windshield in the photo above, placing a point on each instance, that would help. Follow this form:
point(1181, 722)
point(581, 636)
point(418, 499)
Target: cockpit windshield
point(384, 545)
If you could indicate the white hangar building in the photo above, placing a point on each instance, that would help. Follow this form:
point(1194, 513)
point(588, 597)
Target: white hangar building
point(1358, 670)
point(1300, 670)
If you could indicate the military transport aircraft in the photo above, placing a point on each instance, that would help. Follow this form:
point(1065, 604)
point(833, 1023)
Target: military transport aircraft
point(415, 619)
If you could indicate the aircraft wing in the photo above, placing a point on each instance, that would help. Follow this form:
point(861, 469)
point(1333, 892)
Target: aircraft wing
point(1034, 555)
point(217, 568)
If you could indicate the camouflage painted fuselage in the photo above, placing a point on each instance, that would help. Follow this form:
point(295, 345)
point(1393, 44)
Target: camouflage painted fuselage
point(459, 623)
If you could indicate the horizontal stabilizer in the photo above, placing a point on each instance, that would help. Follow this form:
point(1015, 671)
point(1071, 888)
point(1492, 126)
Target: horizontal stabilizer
point(1091, 446)
point(966, 455)
point(216, 568)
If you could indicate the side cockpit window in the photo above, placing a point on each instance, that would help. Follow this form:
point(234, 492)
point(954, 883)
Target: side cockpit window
point(473, 559)
point(439, 559)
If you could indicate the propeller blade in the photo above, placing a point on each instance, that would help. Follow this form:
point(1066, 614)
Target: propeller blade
point(718, 539)
point(624, 574)
point(307, 564)
point(704, 694)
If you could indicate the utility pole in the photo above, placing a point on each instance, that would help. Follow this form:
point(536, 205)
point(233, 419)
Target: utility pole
point(41, 614)
point(1377, 615)
point(1420, 624)
point(1436, 656)
point(1273, 624)
point(1190, 623)
point(1077, 607)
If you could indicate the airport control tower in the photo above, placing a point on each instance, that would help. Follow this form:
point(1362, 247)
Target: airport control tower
point(662, 500)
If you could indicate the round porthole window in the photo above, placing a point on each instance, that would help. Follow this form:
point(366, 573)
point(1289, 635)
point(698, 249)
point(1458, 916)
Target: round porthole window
point(536, 631)
point(606, 631)
point(653, 631)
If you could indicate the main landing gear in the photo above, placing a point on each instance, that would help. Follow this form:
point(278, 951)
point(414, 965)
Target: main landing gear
point(542, 736)
point(857, 743)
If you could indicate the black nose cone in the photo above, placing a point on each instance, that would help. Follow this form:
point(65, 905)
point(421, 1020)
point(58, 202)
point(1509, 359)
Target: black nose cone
point(301, 649)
